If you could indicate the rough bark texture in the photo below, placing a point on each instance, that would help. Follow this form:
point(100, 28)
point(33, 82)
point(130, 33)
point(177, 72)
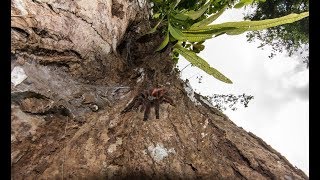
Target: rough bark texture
point(83, 61)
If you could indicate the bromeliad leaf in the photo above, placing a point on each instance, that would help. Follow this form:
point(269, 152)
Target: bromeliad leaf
point(157, 1)
point(181, 17)
point(214, 31)
point(178, 1)
point(209, 19)
point(264, 24)
point(243, 3)
point(196, 37)
point(173, 5)
point(164, 42)
point(242, 26)
point(236, 31)
point(246, 2)
point(196, 14)
point(178, 35)
point(200, 63)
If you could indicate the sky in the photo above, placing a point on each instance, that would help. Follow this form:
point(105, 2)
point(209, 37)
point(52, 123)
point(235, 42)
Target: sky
point(279, 112)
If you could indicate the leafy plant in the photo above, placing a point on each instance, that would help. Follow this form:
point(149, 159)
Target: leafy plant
point(187, 23)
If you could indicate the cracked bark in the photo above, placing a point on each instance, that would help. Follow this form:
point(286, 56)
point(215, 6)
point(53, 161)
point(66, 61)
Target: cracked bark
point(73, 54)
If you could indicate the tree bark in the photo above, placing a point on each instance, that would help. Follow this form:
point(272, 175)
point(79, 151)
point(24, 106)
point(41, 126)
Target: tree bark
point(77, 64)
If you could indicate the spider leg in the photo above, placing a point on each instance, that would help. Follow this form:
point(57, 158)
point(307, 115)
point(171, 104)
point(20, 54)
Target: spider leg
point(156, 108)
point(134, 104)
point(130, 106)
point(143, 107)
point(167, 99)
point(137, 104)
point(147, 111)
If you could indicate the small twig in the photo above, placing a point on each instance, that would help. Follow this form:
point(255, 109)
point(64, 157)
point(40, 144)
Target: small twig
point(192, 76)
point(185, 67)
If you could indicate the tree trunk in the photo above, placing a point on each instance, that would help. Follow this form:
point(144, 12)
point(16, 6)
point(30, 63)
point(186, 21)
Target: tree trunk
point(75, 67)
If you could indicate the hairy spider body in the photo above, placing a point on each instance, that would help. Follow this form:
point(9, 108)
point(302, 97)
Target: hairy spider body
point(148, 99)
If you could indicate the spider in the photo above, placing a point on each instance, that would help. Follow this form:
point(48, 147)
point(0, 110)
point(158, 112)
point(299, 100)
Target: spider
point(148, 99)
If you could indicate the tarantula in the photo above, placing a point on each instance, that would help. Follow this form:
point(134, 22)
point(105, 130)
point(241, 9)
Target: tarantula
point(148, 99)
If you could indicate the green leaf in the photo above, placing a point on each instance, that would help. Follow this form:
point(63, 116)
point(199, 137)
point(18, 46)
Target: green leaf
point(196, 37)
point(171, 38)
point(178, 1)
point(239, 5)
point(209, 19)
point(246, 2)
point(233, 28)
point(206, 30)
point(176, 33)
point(200, 63)
point(236, 31)
point(243, 3)
point(196, 14)
point(173, 5)
point(180, 16)
point(264, 24)
point(157, 1)
point(164, 42)
point(154, 28)
point(156, 15)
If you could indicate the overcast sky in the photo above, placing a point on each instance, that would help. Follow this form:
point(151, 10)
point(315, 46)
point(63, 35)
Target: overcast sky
point(279, 112)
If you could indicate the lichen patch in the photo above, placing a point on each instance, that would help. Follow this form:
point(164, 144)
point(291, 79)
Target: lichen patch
point(18, 75)
point(159, 152)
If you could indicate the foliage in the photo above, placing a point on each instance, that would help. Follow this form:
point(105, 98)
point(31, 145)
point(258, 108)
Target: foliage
point(200, 63)
point(292, 38)
point(187, 24)
point(222, 102)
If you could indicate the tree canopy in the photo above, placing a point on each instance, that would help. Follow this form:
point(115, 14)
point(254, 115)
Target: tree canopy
point(291, 38)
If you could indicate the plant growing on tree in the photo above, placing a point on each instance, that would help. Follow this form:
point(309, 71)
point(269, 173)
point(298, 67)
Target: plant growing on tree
point(187, 24)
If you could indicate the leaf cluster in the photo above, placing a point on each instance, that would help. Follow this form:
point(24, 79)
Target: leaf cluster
point(187, 23)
